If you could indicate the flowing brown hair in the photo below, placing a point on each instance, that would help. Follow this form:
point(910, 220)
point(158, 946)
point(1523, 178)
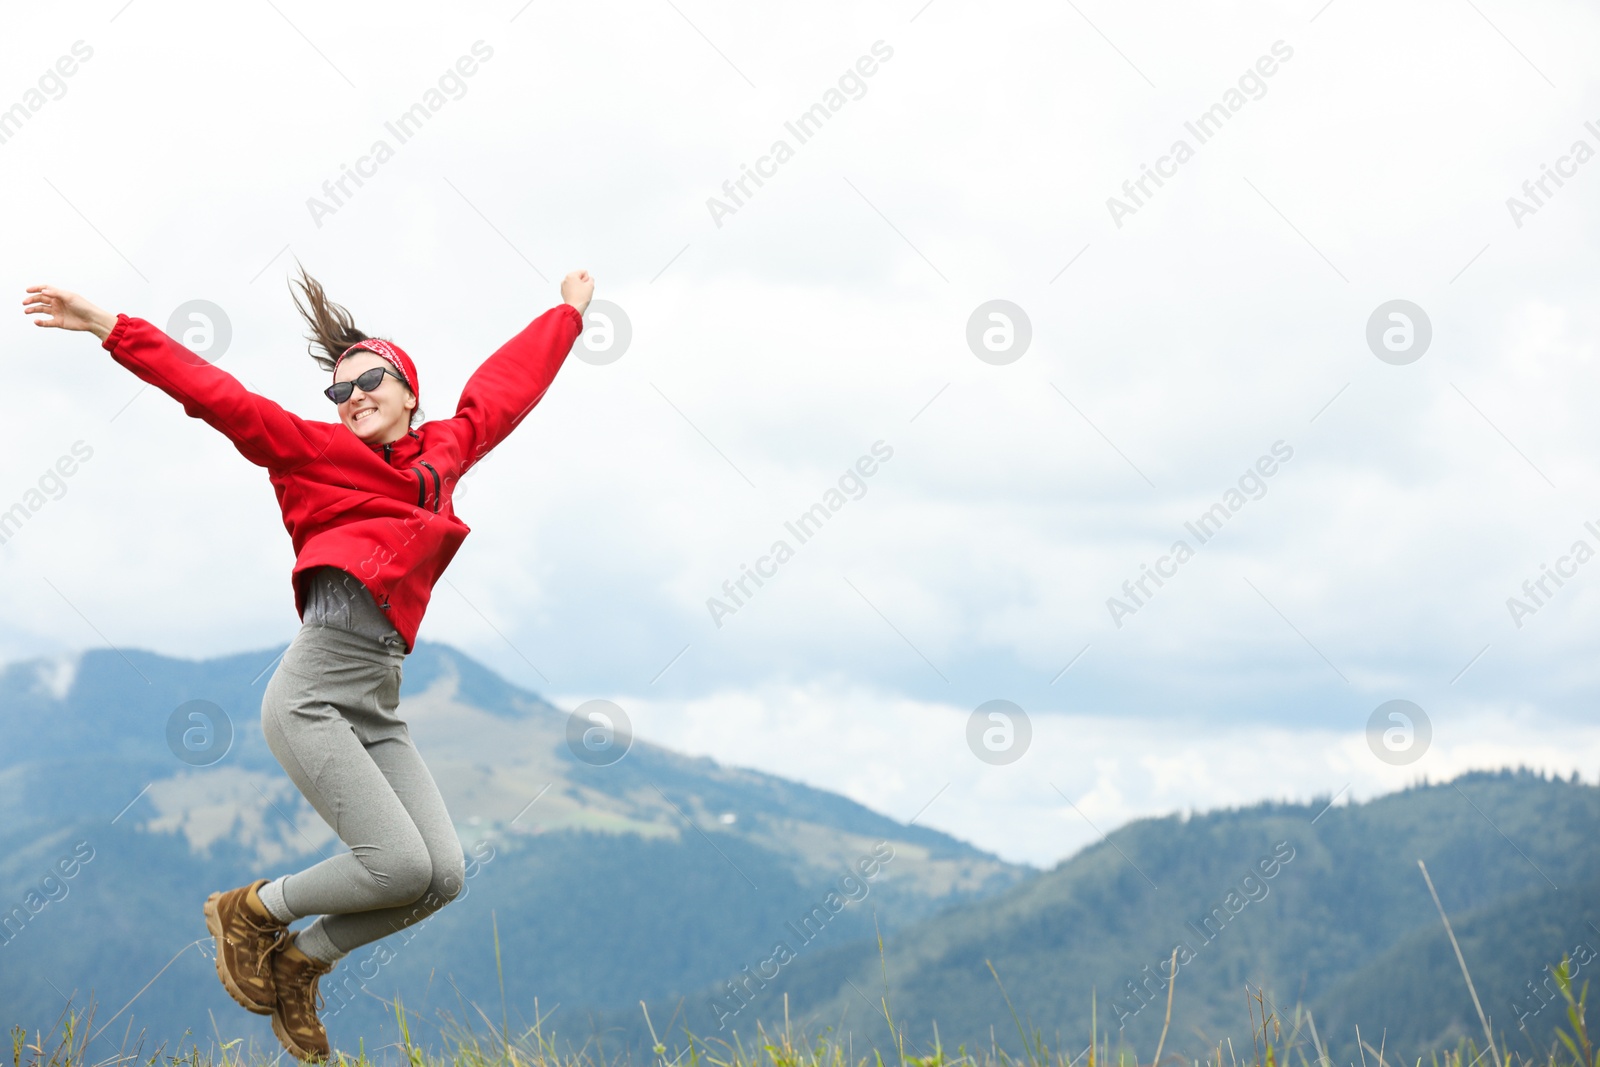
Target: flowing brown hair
point(332, 328)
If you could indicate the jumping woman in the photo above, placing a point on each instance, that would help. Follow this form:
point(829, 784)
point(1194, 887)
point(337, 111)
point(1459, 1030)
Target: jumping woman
point(367, 503)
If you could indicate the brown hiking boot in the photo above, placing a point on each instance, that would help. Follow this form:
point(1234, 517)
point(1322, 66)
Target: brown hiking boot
point(246, 943)
point(294, 1017)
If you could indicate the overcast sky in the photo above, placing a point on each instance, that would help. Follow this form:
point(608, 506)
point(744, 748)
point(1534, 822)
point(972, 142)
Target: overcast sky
point(1356, 154)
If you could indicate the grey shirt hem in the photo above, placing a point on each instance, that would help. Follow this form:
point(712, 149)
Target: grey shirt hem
point(336, 597)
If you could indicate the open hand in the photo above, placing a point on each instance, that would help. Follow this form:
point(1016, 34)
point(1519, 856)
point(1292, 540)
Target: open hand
point(577, 288)
point(67, 311)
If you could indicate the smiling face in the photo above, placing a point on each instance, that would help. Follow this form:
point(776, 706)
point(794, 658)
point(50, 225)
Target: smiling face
point(382, 415)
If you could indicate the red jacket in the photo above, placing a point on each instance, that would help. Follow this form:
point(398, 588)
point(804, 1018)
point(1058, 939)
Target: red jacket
point(381, 512)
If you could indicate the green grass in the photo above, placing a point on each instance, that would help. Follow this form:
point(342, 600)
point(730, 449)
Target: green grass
point(472, 1039)
point(468, 1042)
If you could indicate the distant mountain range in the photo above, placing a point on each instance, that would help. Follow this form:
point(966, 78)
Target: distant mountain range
point(1318, 908)
point(608, 884)
point(720, 896)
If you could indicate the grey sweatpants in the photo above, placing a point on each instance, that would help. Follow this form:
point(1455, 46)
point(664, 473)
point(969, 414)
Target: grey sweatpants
point(329, 715)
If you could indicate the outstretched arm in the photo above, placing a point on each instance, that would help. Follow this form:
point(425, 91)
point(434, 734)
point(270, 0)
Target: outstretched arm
point(262, 431)
point(509, 383)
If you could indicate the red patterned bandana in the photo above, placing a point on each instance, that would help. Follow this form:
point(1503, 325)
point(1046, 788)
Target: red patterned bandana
point(391, 352)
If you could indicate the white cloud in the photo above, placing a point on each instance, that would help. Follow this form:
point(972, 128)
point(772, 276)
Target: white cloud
point(826, 314)
point(1084, 773)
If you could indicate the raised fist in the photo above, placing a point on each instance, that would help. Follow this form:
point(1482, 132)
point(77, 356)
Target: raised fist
point(577, 288)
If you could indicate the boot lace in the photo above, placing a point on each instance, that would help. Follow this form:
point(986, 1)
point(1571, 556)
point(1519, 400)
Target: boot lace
point(265, 929)
point(308, 990)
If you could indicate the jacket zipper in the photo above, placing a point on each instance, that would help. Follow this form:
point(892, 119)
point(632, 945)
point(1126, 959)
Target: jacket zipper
point(422, 482)
point(436, 493)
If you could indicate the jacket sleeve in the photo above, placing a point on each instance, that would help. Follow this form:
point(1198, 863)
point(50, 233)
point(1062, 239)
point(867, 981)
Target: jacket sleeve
point(262, 431)
point(509, 383)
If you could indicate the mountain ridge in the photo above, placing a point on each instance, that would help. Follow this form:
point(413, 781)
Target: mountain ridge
point(1344, 927)
point(578, 868)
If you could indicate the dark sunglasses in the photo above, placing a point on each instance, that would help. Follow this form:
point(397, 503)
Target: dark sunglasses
point(339, 392)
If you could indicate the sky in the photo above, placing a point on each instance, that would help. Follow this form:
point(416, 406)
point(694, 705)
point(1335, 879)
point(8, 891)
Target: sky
point(1065, 278)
